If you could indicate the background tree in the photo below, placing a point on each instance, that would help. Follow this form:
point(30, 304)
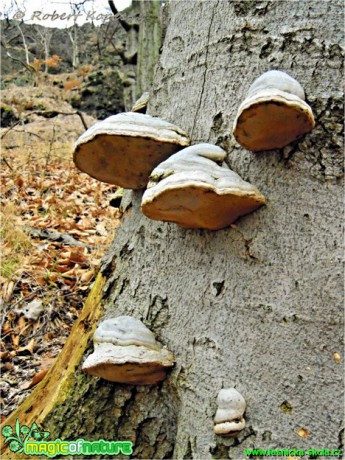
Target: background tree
point(45, 36)
point(257, 306)
point(15, 53)
point(140, 51)
point(149, 43)
point(76, 8)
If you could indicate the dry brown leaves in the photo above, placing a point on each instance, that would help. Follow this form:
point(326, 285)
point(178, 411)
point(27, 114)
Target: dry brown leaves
point(44, 282)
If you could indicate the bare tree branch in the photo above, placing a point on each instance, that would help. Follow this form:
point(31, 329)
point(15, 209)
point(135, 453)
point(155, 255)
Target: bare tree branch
point(122, 21)
point(24, 44)
point(27, 66)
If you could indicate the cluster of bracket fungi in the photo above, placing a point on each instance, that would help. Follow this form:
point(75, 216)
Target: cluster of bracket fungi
point(193, 187)
point(126, 351)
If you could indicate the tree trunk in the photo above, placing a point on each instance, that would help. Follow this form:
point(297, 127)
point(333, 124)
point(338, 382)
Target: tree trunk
point(143, 42)
point(73, 35)
point(257, 306)
point(149, 42)
point(26, 49)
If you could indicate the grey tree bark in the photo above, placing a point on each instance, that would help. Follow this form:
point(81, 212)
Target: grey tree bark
point(258, 306)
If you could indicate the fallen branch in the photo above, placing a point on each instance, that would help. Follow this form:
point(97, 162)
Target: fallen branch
point(55, 113)
point(59, 237)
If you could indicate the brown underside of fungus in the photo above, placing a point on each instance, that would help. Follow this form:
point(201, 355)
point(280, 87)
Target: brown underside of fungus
point(196, 189)
point(124, 148)
point(126, 352)
point(229, 418)
point(273, 114)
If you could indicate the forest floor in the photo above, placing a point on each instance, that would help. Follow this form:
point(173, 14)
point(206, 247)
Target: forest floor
point(56, 224)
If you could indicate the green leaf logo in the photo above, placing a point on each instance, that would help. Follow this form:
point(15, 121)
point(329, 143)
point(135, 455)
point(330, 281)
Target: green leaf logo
point(7, 431)
point(17, 437)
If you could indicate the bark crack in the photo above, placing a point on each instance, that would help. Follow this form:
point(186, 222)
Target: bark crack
point(205, 71)
point(247, 244)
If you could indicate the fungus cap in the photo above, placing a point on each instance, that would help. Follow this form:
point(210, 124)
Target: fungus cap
point(126, 352)
point(229, 418)
point(124, 148)
point(141, 104)
point(196, 189)
point(273, 114)
point(125, 330)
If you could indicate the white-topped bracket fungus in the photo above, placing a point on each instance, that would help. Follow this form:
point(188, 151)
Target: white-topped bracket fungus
point(124, 148)
point(196, 189)
point(273, 114)
point(229, 418)
point(141, 104)
point(126, 351)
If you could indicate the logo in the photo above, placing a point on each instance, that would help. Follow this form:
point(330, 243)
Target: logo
point(33, 441)
point(20, 435)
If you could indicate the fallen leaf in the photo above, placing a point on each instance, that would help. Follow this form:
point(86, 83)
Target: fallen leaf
point(86, 277)
point(71, 273)
point(29, 348)
point(21, 323)
point(49, 336)
point(7, 328)
point(4, 355)
point(79, 233)
point(36, 379)
point(7, 290)
point(19, 181)
point(15, 340)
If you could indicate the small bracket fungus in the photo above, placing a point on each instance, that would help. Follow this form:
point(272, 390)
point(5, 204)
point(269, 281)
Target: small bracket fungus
point(273, 114)
point(196, 189)
point(126, 351)
point(141, 104)
point(229, 419)
point(116, 198)
point(124, 148)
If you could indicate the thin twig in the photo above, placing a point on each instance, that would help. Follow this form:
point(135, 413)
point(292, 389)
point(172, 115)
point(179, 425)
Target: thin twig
point(10, 129)
point(30, 133)
point(55, 113)
point(82, 119)
point(7, 163)
point(52, 140)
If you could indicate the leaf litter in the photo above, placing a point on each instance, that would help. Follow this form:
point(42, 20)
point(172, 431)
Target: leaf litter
point(56, 224)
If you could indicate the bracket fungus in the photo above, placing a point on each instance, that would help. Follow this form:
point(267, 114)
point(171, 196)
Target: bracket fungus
point(126, 351)
point(196, 189)
point(124, 148)
point(141, 104)
point(229, 418)
point(273, 114)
